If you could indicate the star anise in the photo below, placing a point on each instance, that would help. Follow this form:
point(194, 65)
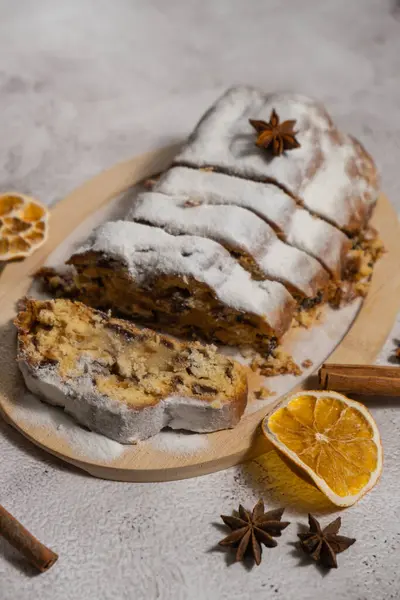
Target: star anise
point(274, 135)
point(323, 544)
point(251, 529)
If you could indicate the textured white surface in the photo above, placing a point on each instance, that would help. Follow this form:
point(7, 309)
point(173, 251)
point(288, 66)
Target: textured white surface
point(85, 84)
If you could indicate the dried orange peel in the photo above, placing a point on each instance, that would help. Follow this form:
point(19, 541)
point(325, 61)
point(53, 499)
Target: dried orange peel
point(23, 225)
point(333, 440)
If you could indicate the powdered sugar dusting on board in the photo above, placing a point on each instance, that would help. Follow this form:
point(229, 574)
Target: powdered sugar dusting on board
point(181, 443)
point(86, 444)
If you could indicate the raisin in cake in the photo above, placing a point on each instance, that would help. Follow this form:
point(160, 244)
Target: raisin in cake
point(183, 284)
point(124, 382)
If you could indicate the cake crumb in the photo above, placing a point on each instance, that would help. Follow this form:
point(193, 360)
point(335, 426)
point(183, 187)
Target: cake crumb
point(278, 363)
point(192, 202)
point(149, 183)
point(60, 283)
point(307, 363)
point(367, 249)
point(262, 393)
point(307, 318)
point(395, 357)
point(247, 352)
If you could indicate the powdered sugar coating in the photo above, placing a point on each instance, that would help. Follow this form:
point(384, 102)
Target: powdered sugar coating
point(105, 415)
point(329, 172)
point(333, 192)
point(296, 225)
point(181, 443)
point(208, 187)
point(319, 239)
point(148, 252)
point(84, 443)
point(225, 138)
point(237, 229)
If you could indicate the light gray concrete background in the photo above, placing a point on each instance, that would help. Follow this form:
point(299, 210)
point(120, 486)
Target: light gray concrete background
point(86, 83)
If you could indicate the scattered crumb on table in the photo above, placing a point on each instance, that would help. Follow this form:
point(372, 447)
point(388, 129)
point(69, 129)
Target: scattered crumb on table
point(307, 363)
point(262, 393)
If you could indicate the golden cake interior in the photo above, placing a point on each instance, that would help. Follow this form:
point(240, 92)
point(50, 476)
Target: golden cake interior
point(135, 366)
point(180, 306)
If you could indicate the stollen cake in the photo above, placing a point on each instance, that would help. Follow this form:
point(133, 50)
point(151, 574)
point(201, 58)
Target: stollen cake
point(254, 226)
point(124, 382)
point(186, 285)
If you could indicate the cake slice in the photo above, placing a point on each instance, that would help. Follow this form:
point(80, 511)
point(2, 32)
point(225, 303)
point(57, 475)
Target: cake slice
point(292, 223)
point(186, 285)
point(122, 381)
point(330, 173)
point(248, 238)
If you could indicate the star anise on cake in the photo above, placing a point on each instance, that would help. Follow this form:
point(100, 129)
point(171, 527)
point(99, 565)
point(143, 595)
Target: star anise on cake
point(324, 544)
point(251, 529)
point(275, 136)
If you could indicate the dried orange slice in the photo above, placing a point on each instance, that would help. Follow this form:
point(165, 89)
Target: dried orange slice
point(332, 439)
point(23, 225)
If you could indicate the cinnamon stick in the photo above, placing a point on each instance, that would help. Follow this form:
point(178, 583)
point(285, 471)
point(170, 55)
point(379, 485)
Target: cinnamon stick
point(38, 555)
point(371, 380)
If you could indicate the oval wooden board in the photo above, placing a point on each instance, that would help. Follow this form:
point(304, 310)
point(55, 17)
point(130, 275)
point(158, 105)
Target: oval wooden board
point(224, 448)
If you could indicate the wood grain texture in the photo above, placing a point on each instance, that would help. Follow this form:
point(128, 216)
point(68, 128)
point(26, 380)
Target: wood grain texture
point(225, 448)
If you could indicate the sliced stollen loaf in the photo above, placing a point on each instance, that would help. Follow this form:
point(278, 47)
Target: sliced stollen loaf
point(292, 223)
point(124, 382)
point(250, 239)
point(184, 284)
point(330, 173)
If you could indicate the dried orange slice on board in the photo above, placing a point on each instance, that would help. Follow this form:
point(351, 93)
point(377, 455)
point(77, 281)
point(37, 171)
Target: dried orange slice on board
point(23, 225)
point(332, 439)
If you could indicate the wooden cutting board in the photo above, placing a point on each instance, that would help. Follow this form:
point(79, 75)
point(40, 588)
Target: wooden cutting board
point(145, 462)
